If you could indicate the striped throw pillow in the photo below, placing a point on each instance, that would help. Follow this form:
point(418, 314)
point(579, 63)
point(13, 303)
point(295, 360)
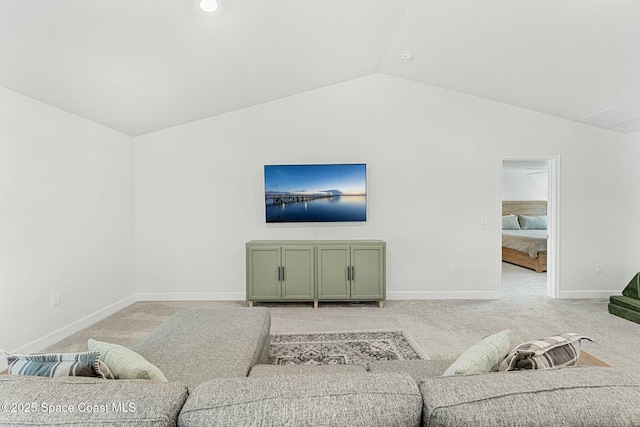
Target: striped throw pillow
point(551, 352)
point(85, 364)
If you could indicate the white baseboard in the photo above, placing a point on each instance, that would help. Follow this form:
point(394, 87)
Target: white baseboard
point(421, 295)
point(191, 296)
point(602, 294)
point(62, 333)
point(435, 295)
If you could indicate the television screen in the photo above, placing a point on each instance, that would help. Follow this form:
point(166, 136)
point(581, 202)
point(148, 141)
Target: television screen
point(315, 193)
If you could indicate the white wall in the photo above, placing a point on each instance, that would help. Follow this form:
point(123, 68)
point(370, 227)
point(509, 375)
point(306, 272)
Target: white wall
point(66, 222)
point(632, 209)
point(433, 158)
point(520, 184)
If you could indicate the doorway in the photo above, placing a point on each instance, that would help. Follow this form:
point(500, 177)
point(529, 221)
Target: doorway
point(532, 184)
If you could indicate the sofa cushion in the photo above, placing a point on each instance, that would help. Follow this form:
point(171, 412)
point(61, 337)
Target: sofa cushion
point(82, 401)
point(264, 370)
point(198, 345)
point(124, 363)
point(485, 356)
point(578, 396)
point(354, 399)
point(417, 369)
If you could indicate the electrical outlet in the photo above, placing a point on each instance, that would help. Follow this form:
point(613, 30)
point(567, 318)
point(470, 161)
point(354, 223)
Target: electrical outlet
point(451, 269)
point(484, 220)
point(55, 298)
point(598, 268)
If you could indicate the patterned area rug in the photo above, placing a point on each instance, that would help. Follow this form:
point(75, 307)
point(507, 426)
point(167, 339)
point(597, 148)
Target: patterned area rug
point(353, 347)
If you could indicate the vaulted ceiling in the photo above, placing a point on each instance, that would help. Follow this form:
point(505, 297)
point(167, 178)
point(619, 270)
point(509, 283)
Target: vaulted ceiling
point(142, 65)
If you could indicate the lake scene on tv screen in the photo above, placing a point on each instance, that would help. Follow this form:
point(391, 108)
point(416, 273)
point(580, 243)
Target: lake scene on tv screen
point(315, 193)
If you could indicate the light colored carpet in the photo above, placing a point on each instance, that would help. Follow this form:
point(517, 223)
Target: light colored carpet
point(522, 283)
point(443, 328)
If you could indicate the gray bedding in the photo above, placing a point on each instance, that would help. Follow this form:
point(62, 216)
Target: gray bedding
point(528, 241)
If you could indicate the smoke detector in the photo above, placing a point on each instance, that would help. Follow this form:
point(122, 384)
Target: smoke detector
point(406, 55)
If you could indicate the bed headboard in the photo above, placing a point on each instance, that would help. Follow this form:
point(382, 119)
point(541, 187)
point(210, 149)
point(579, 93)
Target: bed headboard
point(524, 207)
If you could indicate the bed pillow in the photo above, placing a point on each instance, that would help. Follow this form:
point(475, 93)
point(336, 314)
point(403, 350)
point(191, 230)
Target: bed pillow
point(510, 222)
point(85, 364)
point(546, 353)
point(125, 363)
point(483, 357)
point(533, 222)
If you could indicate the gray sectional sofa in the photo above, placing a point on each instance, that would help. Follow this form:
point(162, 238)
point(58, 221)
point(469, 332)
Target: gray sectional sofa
point(214, 363)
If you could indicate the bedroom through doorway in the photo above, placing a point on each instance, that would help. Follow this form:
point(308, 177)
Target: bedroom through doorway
point(528, 215)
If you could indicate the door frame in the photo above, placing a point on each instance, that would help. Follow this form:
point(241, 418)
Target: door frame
point(553, 223)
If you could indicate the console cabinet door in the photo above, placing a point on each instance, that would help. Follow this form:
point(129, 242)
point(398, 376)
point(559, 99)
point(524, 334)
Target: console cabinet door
point(316, 271)
point(333, 272)
point(367, 274)
point(263, 273)
point(298, 273)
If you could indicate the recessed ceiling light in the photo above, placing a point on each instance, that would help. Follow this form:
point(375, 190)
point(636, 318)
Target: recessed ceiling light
point(209, 5)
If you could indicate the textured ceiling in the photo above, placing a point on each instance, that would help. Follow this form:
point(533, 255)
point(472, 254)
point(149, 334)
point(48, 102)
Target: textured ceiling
point(144, 65)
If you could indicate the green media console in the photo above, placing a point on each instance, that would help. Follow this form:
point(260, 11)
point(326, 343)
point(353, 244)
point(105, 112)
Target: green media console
point(316, 270)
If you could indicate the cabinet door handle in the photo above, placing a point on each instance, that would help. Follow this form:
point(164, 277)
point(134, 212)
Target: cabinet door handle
point(348, 274)
point(279, 274)
point(353, 273)
point(282, 274)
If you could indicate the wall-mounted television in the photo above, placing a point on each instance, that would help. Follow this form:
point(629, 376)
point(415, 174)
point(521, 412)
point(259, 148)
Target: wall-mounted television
point(315, 193)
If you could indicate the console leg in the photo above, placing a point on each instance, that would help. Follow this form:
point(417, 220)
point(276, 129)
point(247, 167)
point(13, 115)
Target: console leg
point(381, 303)
point(315, 304)
point(250, 303)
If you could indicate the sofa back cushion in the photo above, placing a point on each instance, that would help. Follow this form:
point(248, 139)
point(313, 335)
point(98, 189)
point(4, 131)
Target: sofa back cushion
point(82, 401)
point(417, 369)
point(264, 370)
point(349, 399)
point(577, 396)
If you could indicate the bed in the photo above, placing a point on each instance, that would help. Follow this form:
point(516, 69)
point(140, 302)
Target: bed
point(527, 246)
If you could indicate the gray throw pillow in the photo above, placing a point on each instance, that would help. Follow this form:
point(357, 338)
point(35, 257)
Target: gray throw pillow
point(510, 222)
point(533, 222)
